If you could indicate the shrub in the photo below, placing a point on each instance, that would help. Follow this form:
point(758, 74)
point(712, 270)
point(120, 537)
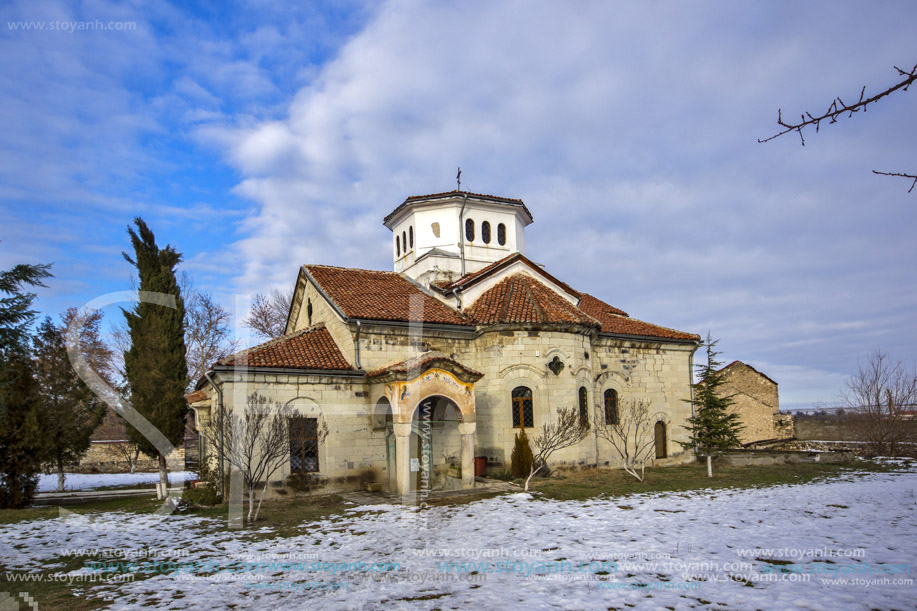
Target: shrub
point(521, 458)
point(503, 475)
point(205, 495)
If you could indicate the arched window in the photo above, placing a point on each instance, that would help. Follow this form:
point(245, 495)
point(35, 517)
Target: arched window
point(501, 234)
point(404, 241)
point(611, 406)
point(583, 406)
point(523, 414)
point(411, 236)
point(662, 449)
point(397, 246)
point(469, 230)
point(303, 445)
point(485, 232)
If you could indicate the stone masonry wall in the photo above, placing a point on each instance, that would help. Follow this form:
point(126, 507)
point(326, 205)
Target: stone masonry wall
point(755, 399)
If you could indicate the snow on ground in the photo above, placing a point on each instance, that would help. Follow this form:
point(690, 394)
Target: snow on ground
point(88, 481)
point(842, 545)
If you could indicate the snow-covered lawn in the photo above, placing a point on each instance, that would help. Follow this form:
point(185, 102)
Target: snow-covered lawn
point(89, 481)
point(842, 545)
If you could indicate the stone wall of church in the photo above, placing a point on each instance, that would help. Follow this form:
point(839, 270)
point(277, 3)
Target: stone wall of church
point(352, 447)
point(660, 373)
point(358, 442)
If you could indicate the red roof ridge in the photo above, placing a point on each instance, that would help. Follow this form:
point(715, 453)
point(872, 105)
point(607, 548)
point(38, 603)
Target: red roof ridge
point(380, 296)
point(505, 262)
point(657, 326)
point(312, 348)
point(598, 302)
point(271, 342)
point(352, 269)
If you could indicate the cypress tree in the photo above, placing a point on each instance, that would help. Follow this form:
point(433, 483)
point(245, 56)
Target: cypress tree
point(70, 408)
point(155, 365)
point(713, 428)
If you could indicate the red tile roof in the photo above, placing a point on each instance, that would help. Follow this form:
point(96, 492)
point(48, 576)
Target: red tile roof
point(597, 308)
point(617, 322)
point(311, 348)
point(196, 396)
point(520, 298)
point(375, 295)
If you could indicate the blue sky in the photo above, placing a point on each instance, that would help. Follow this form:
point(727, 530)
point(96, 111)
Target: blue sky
point(261, 137)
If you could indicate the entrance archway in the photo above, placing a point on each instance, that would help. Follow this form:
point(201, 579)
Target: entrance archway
point(406, 385)
point(436, 445)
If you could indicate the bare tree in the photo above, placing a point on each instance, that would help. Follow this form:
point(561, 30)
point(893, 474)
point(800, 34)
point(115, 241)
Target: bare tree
point(838, 107)
point(257, 443)
point(879, 393)
point(632, 435)
point(268, 317)
point(128, 452)
point(568, 430)
point(207, 333)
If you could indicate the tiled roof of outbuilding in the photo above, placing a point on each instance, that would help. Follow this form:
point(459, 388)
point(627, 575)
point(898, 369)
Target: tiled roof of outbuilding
point(376, 295)
point(311, 348)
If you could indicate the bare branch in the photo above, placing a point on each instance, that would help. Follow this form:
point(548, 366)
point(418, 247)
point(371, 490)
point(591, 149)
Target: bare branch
point(879, 393)
point(207, 333)
point(268, 317)
point(632, 435)
point(912, 176)
point(838, 107)
point(256, 442)
point(568, 430)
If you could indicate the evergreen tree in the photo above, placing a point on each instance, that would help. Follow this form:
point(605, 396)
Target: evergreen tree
point(155, 365)
point(70, 408)
point(16, 313)
point(713, 428)
point(522, 458)
point(22, 438)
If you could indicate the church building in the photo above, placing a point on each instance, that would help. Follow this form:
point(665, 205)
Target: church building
point(409, 375)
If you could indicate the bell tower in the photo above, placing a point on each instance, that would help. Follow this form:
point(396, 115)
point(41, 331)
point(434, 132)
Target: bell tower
point(440, 237)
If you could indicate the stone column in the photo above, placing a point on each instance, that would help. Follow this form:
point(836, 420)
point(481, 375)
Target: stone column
point(467, 430)
point(403, 457)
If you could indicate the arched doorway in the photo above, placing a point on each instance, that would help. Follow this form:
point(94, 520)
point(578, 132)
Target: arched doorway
point(436, 445)
point(662, 444)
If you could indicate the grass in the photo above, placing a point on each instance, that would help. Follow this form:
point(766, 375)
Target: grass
point(284, 516)
point(590, 483)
